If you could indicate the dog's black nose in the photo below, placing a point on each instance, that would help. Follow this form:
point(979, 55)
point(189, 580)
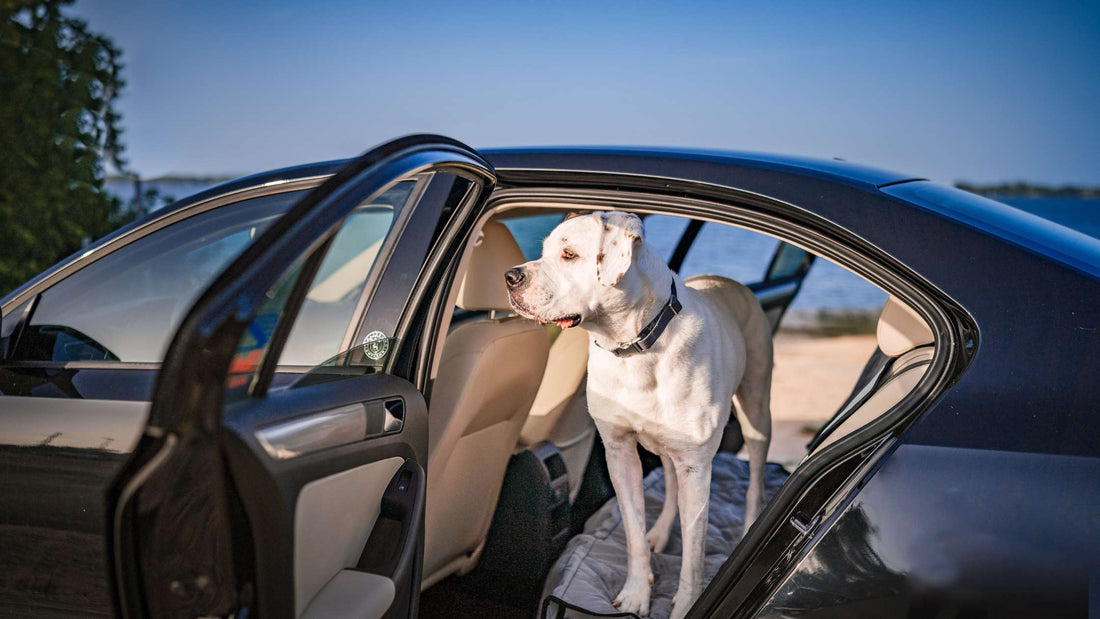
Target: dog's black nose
point(514, 277)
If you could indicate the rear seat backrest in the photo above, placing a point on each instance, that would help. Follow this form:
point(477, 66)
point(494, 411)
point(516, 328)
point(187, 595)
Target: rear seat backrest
point(904, 335)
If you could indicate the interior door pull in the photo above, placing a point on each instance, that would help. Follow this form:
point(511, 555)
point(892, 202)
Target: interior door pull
point(395, 416)
point(332, 427)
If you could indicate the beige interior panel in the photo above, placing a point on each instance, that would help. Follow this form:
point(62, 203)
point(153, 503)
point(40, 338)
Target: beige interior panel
point(488, 379)
point(495, 251)
point(902, 334)
point(901, 329)
point(883, 400)
point(352, 594)
point(332, 522)
point(564, 376)
point(462, 499)
point(574, 436)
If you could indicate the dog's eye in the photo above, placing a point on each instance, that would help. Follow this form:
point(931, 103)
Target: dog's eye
point(568, 255)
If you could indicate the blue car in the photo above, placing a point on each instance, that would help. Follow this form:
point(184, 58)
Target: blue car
point(299, 394)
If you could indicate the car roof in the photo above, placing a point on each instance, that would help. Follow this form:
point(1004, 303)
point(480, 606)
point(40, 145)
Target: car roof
point(668, 162)
point(563, 157)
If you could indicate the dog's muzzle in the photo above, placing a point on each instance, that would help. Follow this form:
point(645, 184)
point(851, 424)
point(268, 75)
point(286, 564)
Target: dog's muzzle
point(515, 278)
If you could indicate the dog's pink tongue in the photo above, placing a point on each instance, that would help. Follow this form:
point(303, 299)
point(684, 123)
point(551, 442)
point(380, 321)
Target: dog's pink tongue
point(564, 323)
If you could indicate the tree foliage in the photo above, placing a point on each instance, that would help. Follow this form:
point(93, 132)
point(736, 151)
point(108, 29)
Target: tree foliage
point(58, 127)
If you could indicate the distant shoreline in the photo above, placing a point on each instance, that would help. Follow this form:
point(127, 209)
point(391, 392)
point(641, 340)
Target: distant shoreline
point(1021, 189)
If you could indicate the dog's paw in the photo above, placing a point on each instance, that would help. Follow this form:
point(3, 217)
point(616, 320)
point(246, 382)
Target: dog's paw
point(657, 538)
point(681, 603)
point(634, 598)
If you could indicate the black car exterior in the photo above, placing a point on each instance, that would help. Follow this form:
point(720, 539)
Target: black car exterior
point(982, 499)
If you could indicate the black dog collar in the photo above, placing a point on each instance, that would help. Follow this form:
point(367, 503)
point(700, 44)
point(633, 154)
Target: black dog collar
point(650, 334)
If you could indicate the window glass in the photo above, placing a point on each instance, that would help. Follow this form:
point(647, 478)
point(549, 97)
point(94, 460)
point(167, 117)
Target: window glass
point(830, 289)
point(736, 253)
point(322, 321)
point(127, 305)
point(719, 249)
point(329, 306)
point(789, 260)
point(663, 232)
point(530, 230)
point(252, 347)
point(11, 320)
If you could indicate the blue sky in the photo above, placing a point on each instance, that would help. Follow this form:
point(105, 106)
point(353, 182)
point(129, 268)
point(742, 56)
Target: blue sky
point(951, 91)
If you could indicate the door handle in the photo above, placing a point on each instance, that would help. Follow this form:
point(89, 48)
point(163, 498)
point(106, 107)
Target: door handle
point(332, 427)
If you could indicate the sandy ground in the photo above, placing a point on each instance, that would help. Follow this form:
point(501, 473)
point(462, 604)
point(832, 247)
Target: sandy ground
point(812, 378)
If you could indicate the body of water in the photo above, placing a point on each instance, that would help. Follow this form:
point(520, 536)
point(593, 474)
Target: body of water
point(744, 255)
point(1080, 214)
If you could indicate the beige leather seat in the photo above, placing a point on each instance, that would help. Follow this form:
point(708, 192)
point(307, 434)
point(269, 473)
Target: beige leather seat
point(559, 413)
point(903, 335)
point(489, 373)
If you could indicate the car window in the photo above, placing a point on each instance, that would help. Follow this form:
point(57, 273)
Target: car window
point(719, 249)
point(322, 322)
point(126, 306)
point(335, 295)
point(530, 230)
point(789, 261)
point(732, 252)
point(663, 232)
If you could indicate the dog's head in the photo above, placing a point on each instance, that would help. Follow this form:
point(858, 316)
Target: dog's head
point(585, 269)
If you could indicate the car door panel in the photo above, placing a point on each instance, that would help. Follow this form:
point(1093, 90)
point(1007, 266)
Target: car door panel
point(335, 491)
point(352, 594)
point(312, 490)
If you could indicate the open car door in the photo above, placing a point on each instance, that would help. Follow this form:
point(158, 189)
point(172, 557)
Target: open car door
point(258, 491)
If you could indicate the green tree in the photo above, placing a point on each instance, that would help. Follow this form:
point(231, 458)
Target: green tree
point(58, 128)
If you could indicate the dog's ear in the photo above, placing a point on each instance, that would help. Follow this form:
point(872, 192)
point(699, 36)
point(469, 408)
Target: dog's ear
point(622, 235)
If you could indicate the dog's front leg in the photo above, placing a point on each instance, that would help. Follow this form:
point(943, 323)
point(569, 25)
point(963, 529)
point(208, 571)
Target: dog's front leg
point(693, 477)
point(626, 477)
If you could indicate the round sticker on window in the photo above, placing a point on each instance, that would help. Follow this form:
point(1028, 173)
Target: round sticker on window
point(376, 345)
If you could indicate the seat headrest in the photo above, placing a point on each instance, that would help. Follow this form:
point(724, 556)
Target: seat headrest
point(900, 329)
point(495, 251)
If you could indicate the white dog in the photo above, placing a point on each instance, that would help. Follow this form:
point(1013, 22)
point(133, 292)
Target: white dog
point(665, 360)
